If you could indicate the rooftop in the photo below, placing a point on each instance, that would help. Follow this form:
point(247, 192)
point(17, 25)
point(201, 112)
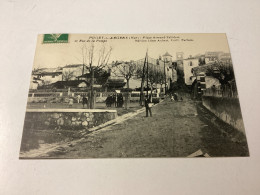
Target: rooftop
point(167, 54)
point(73, 66)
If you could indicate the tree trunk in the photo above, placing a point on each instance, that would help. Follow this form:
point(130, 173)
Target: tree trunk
point(151, 92)
point(127, 83)
point(142, 84)
point(127, 100)
point(92, 90)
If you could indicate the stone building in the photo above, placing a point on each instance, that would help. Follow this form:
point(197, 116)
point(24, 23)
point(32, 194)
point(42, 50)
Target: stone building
point(188, 66)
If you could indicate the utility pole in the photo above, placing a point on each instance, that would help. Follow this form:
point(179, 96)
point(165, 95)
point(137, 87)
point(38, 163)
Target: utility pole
point(142, 82)
point(164, 77)
point(147, 75)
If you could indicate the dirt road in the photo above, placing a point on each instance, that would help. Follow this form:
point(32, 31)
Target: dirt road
point(176, 129)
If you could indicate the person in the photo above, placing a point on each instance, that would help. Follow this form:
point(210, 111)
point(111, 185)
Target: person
point(214, 90)
point(109, 101)
point(175, 96)
point(78, 98)
point(172, 98)
point(85, 101)
point(116, 100)
point(71, 102)
point(147, 103)
point(120, 100)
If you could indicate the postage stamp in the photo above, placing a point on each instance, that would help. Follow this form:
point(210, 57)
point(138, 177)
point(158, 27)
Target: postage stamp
point(56, 38)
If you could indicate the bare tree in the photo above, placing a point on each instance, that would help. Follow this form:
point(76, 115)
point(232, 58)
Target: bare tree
point(67, 75)
point(95, 60)
point(155, 74)
point(125, 69)
point(160, 78)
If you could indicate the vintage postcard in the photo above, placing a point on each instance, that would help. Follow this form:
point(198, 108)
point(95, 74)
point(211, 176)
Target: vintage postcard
point(133, 96)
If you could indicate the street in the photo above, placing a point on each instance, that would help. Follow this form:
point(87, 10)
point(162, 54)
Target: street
point(177, 129)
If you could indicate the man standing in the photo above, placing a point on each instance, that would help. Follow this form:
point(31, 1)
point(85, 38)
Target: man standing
point(85, 101)
point(148, 106)
point(78, 98)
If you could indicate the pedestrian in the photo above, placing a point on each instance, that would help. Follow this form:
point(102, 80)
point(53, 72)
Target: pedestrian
point(116, 100)
point(85, 101)
point(108, 101)
point(172, 98)
point(71, 102)
point(148, 106)
point(175, 96)
point(78, 98)
point(120, 100)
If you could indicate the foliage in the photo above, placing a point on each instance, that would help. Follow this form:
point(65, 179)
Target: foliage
point(101, 77)
point(224, 72)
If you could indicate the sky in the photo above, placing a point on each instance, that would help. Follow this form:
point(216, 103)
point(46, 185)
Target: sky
point(126, 47)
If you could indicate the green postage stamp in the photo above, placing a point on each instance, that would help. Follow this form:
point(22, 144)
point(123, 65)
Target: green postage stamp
point(56, 38)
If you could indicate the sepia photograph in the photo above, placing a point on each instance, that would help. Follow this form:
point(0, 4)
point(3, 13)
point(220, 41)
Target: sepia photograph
point(133, 96)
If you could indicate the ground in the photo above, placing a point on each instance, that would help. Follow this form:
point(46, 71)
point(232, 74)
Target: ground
point(177, 129)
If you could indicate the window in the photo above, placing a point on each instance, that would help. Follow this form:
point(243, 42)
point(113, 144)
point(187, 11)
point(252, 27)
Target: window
point(190, 63)
point(53, 76)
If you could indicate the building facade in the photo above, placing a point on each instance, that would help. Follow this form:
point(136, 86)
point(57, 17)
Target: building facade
point(188, 65)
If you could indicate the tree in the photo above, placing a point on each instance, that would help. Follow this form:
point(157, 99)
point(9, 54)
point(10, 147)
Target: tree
point(125, 69)
point(224, 72)
point(180, 78)
point(68, 75)
point(202, 61)
point(101, 77)
point(95, 60)
point(160, 77)
point(152, 76)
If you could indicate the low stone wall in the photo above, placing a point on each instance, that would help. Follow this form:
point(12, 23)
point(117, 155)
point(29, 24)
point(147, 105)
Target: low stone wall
point(227, 109)
point(73, 119)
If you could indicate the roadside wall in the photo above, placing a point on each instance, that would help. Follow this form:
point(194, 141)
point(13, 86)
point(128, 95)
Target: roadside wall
point(227, 109)
point(72, 119)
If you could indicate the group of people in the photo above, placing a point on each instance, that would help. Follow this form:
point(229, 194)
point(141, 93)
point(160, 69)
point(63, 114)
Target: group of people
point(116, 99)
point(84, 100)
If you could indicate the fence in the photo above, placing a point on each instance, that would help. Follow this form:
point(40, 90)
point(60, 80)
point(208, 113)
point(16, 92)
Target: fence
point(40, 96)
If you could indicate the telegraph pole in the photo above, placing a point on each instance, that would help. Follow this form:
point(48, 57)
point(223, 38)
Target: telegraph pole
point(164, 77)
point(142, 82)
point(147, 74)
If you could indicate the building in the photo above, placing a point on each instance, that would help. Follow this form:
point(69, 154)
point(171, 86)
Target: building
point(188, 66)
point(73, 71)
point(202, 81)
point(167, 57)
point(46, 76)
point(179, 60)
point(164, 65)
point(69, 84)
point(225, 57)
